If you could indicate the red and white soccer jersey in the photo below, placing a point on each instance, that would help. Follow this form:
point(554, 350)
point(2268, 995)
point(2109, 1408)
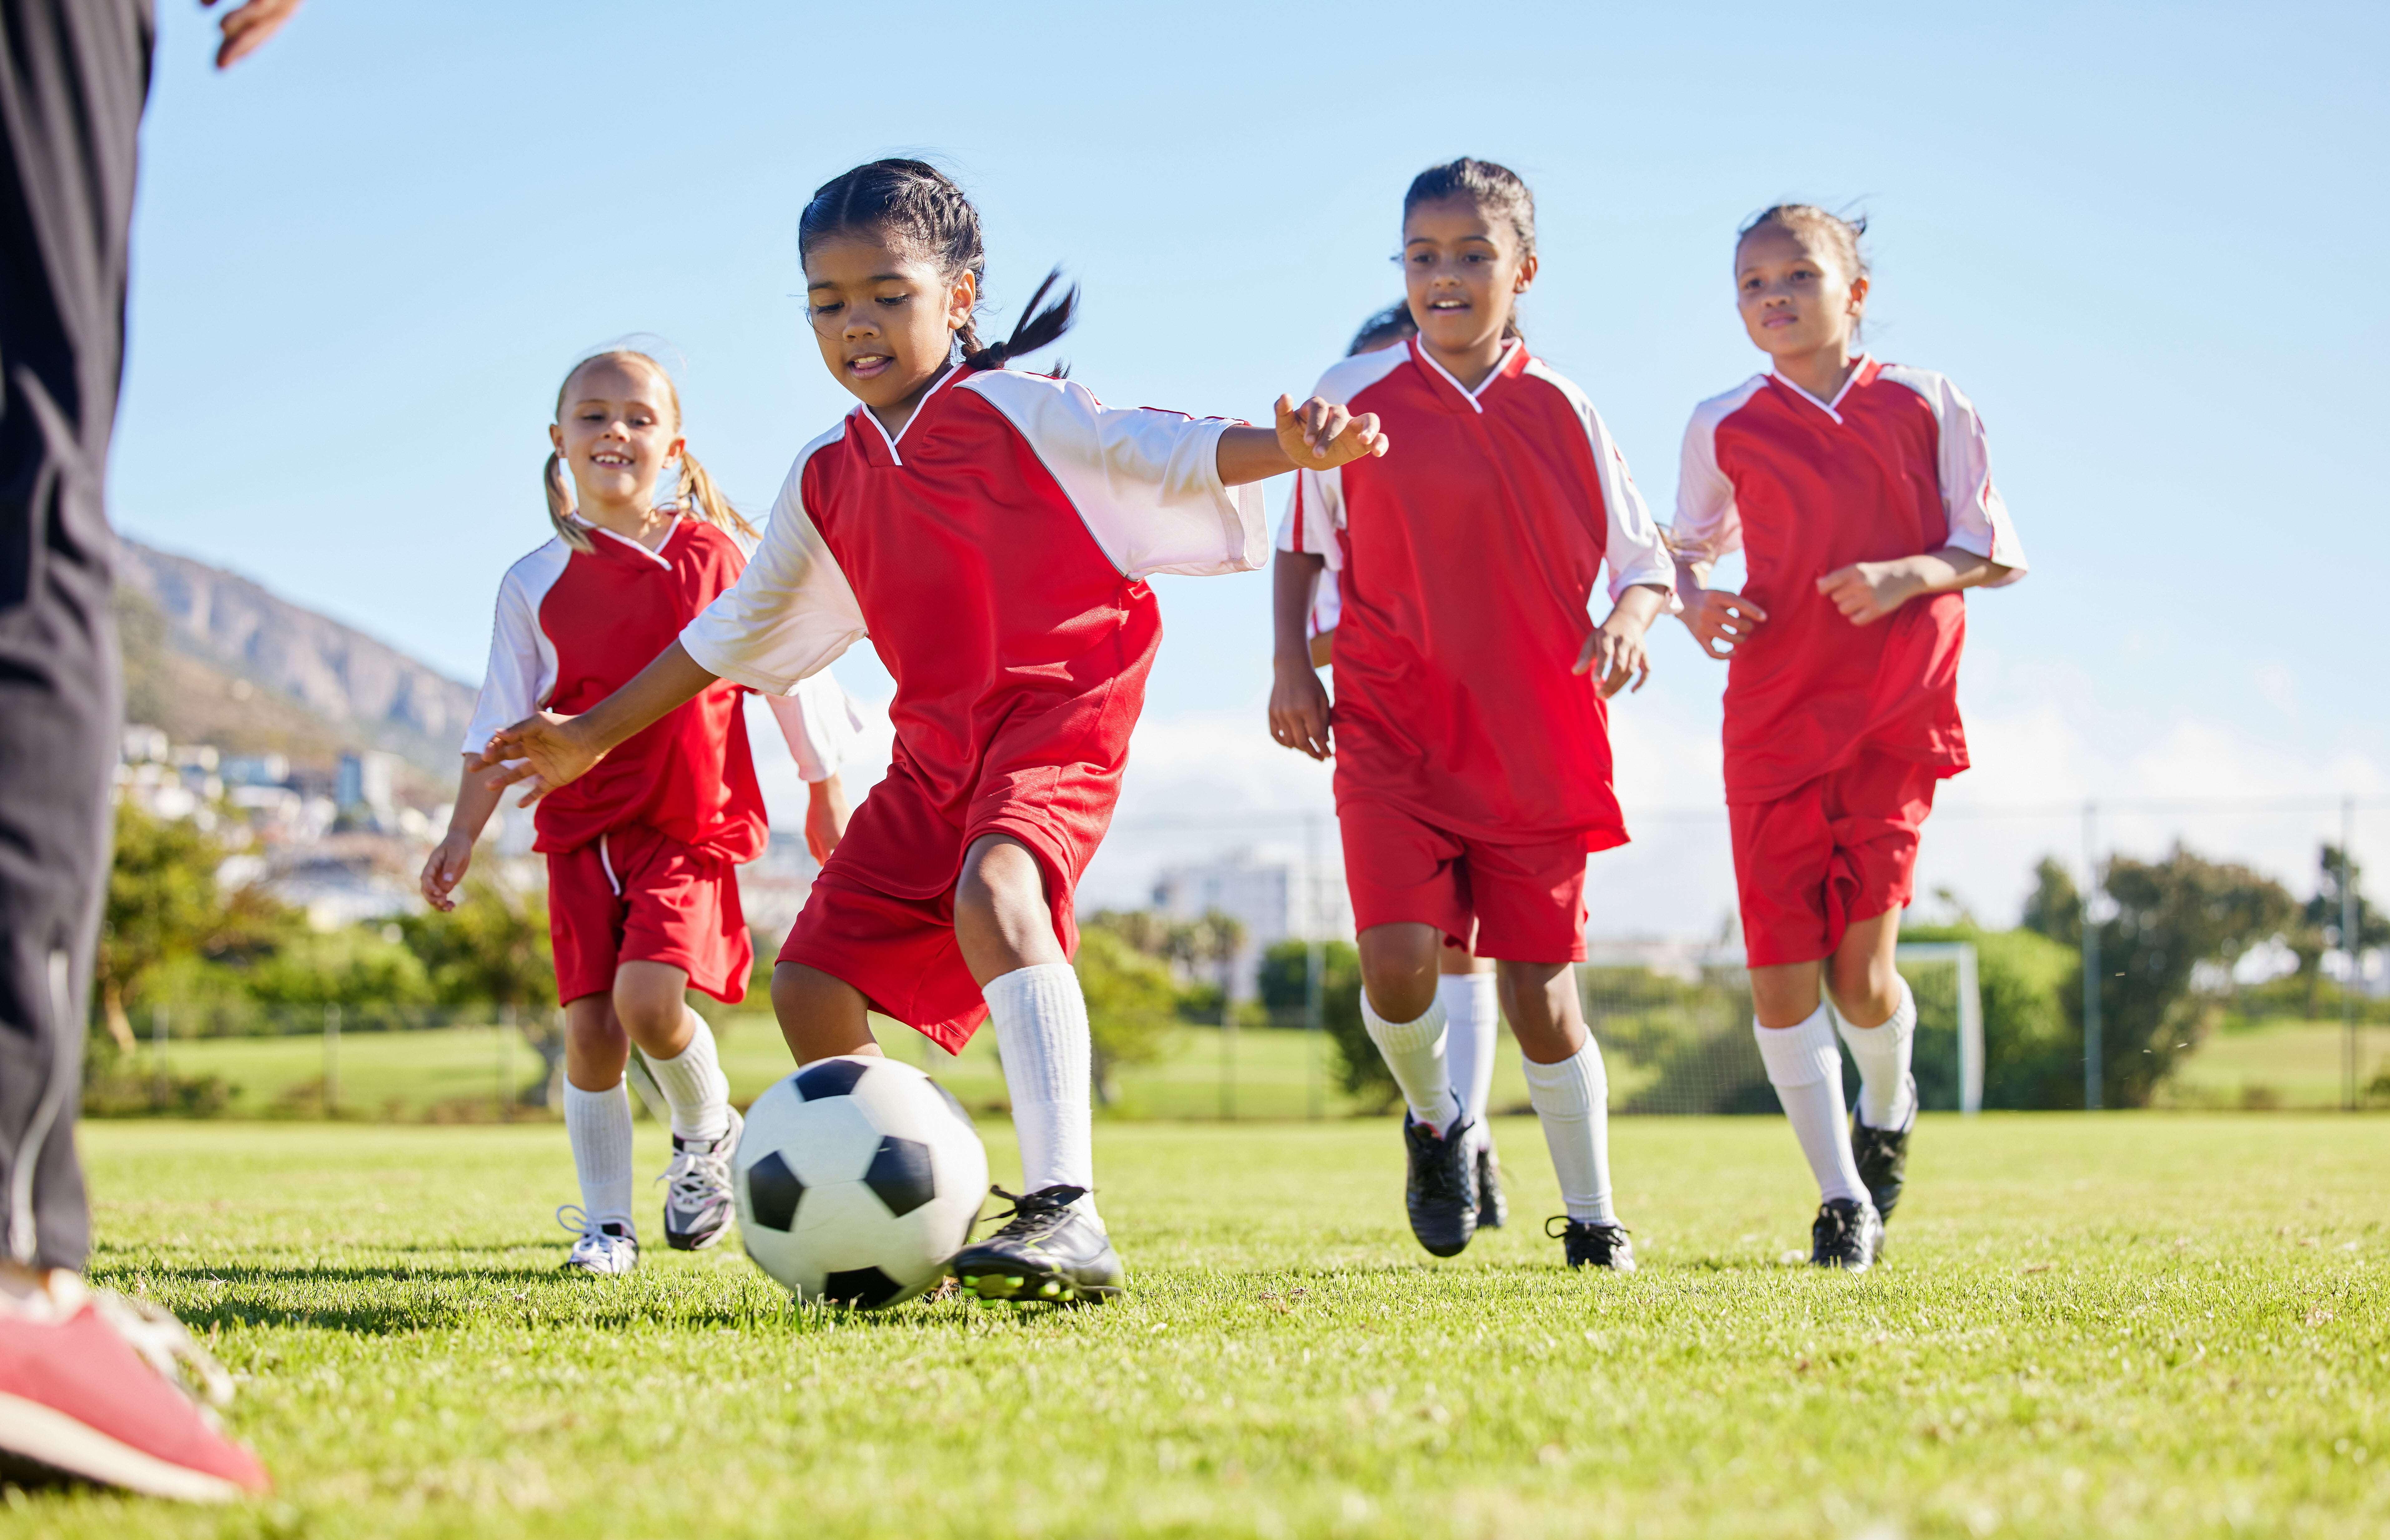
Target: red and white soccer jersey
point(1836, 734)
point(1465, 564)
point(573, 626)
point(1896, 465)
point(1473, 763)
point(996, 553)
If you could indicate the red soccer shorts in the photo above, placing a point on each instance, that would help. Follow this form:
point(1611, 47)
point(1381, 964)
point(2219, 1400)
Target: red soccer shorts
point(1841, 848)
point(897, 949)
point(638, 896)
point(1525, 903)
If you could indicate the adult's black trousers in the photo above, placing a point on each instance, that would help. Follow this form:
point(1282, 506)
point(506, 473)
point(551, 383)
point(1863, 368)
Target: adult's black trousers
point(73, 75)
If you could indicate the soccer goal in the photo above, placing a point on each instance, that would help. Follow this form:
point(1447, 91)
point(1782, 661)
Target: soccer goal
point(1682, 1047)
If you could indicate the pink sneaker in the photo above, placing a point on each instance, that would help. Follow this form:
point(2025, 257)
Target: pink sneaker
point(96, 1395)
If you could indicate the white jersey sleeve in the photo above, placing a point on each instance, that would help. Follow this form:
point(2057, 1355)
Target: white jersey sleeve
point(820, 723)
point(1146, 484)
point(522, 660)
point(1315, 511)
point(1632, 547)
point(1979, 518)
point(792, 612)
point(1708, 526)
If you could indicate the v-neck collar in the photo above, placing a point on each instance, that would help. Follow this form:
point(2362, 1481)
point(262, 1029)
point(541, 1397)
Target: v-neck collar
point(1514, 353)
point(1858, 376)
point(891, 439)
point(656, 554)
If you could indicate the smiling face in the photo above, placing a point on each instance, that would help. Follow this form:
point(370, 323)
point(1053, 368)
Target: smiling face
point(1463, 275)
point(616, 427)
point(1796, 299)
point(885, 315)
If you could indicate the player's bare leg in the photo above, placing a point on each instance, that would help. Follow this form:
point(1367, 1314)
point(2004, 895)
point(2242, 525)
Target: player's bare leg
point(1473, 1024)
point(1878, 1025)
point(1406, 1019)
point(1795, 1032)
point(820, 1016)
point(652, 1003)
point(598, 1122)
point(1053, 1248)
point(1570, 1089)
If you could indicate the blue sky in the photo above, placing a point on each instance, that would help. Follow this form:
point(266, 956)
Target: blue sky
point(2133, 234)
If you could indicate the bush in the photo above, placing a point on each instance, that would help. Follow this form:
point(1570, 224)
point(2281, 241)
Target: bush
point(2033, 1053)
point(1132, 1006)
point(1286, 987)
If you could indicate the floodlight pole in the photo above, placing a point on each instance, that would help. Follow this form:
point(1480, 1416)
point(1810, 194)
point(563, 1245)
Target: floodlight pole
point(2349, 938)
point(2092, 1044)
point(331, 1060)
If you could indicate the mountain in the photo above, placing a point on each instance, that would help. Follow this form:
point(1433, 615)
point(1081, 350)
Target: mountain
point(213, 658)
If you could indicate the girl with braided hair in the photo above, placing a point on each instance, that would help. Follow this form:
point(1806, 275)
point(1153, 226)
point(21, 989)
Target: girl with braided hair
point(991, 532)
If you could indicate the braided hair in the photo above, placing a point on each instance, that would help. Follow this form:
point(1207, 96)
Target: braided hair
point(916, 203)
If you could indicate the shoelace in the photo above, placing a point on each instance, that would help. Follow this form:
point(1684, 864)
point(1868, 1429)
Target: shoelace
point(166, 1345)
point(581, 1224)
point(696, 1178)
point(1588, 1225)
point(1035, 1213)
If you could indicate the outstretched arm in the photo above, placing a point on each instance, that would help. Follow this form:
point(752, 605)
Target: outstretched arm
point(1867, 591)
point(1298, 708)
point(554, 751)
point(1317, 435)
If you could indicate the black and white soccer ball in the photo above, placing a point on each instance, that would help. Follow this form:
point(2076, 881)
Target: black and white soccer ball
point(858, 1180)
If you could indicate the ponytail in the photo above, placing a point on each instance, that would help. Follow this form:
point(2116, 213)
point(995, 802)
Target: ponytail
point(560, 505)
point(699, 496)
point(1038, 328)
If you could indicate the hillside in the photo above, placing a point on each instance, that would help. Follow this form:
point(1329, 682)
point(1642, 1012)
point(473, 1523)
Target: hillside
point(213, 658)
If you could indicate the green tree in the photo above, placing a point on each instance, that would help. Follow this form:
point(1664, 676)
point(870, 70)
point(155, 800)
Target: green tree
point(2055, 907)
point(164, 906)
point(2171, 917)
point(2318, 930)
point(2033, 1050)
point(354, 966)
point(493, 949)
point(1285, 985)
point(1132, 1005)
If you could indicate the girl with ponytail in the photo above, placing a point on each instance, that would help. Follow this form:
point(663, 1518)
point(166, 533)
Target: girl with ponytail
point(991, 531)
point(643, 903)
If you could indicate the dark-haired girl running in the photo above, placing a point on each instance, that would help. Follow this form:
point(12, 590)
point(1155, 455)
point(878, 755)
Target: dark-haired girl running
point(992, 533)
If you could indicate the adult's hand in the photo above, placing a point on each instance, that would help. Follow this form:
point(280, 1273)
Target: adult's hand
point(246, 26)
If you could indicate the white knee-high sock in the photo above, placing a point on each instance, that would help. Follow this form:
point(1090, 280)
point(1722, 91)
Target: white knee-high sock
point(1571, 1101)
point(1472, 1025)
point(1806, 1070)
point(1882, 1053)
point(694, 1085)
point(1415, 1052)
point(599, 1124)
point(1041, 1029)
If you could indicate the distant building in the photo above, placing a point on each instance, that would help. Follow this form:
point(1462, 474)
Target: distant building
point(1274, 891)
point(364, 788)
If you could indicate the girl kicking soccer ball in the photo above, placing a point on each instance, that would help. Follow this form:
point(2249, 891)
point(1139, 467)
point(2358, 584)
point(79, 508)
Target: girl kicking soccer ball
point(643, 904)
point(1472, 750)
point(1465, 984)
point(1861, 495)
point(991, 531)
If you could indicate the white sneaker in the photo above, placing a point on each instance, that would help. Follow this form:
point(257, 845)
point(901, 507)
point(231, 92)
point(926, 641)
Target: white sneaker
point(607, 1248)
point(698, 1201)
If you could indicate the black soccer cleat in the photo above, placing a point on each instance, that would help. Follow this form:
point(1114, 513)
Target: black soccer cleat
point(1591, 1245)
point(1048, 1253)
point(1441, 1189)
point(1493, 1208)
point(1882, 1156)
point(1847, 1234)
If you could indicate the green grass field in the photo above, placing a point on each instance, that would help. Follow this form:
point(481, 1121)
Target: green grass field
point(2119, 1326)
point(2284, 1063)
